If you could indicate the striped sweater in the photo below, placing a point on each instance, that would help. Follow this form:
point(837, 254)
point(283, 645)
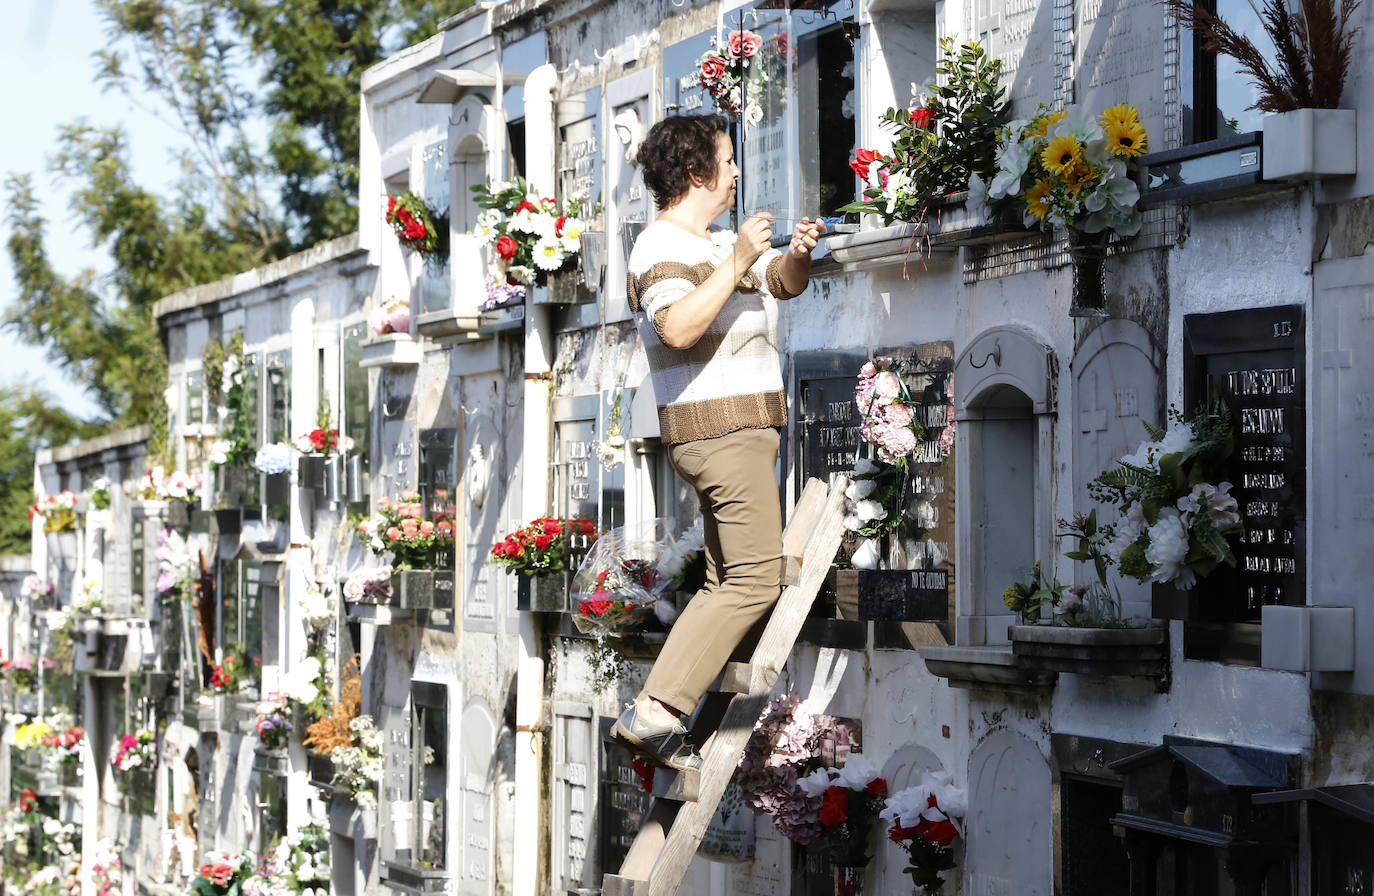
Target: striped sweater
point(731, 379)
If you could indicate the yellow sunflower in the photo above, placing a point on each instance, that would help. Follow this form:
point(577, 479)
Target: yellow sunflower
point(1125, 138)
point(1038, 199)
point(1063, 153)
point(1042, 124)
point(1080, 178)
point(1122, 113)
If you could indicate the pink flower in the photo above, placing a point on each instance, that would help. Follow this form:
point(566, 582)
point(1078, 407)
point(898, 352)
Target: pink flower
point(898, 415)
point(743, 44)
point(886, 387)
point(426, 528)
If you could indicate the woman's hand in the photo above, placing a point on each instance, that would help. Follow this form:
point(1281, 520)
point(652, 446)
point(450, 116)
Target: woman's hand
point(755, 236)
point(805, 237)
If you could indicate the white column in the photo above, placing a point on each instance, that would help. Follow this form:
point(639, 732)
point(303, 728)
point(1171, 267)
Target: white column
point(304, 409)
point(539, 163)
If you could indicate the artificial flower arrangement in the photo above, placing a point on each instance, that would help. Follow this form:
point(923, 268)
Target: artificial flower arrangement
point(529, 235)
point(1097, 604)
point(390, 316)
point(36, 588)
point(98, 495)
point(106, 869)
point(1025, 599)
point(221, 874)
point(307, 683)
point(30, 735)
point(322, 441)
point(297, 866)
point(273, 727)
point(21, 672)
point(946, 136)
point(371, 585)
point(399, 529)
point(546, 545)
point(177, 565)
point(159, 485)
point(91, 602)
point(1176, 513)
point(851, 796)
point(58, 511)
point(358, 765)
point(234, 674)
point(746, 75)
point(137, 750)
point(1069, 169)
point(274, 458)
point(924, 821)
point(419, 228)
point(787, 743)
point(64, 747)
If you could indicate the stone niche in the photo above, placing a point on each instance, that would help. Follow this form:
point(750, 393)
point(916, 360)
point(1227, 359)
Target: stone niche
point(575, 866)
point(1116, 389)
point(1009, 819)
point(1004, 405)
point(477, 869)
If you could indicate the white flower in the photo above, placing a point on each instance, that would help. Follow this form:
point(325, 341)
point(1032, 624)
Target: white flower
point(521, 274)
point(522, 222)
point(864, 467)
point(219, 452)
point(860, 489)
point(1078, 123)
point(1129, 528)
point(1012, 160)
point(545, 226)
point(548, 254)
point(1168, 546)
point(951, 799)
point(868, 511)
point(977, 204)
point(856, 773)
point(865, 556)
point(1222, 508)
point(816, 783)
point(753, 113)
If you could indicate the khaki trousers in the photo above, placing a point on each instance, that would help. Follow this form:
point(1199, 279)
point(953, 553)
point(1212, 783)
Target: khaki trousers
point(734, 480)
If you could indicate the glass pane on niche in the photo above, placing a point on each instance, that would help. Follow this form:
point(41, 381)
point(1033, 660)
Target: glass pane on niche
point(278, 395)
point(434, 282)
point(357, 416)
point(579, 169)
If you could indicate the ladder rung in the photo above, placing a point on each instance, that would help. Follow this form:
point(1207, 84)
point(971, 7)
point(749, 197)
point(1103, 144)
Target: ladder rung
point(615, 885)
point(682, 786)
point(791, 570)
point(737, 678)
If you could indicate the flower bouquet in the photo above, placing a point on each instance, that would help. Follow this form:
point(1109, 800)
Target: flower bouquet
point(31, 734)
point(20, 671)
point(391, 316)
point(621, 579)
point(544, 546)
point(63, 748)
point(221, 874)
point(274, 728)
point(923, 823)
point(850, 798)
point(399, 529)
point(358, 766)
point(418, 227)
point(946, 137)
point(159, 485)
point(36, 588)
point(1176, 514)
point(368, 586)
point(321, 441)
point(274, 458)
point(529, 235)
point(788, 741)
point(1026, 598)
point(747, 75)
point(302, 862)
point(1068, 169)
point(58, 511)
point(137, 750)
point(106, 873)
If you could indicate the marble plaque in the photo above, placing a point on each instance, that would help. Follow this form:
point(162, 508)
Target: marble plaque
point(479, 743)
point(623, 801)
point(682, 90)
point(574, 810)
point(1022, 34)
point(397, 467)
point(1119, 58)
point(579, 159)
point(827, 420)
point(1252, 360)
point(479, 597)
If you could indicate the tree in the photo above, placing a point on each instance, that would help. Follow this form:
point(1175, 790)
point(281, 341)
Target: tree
point(29, 421)
point(217, 70)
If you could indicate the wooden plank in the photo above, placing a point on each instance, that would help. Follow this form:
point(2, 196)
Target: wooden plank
point(639, 861)
point(791, 570)
point(822, 540)
point(684, 787)
point(615, 885)
point(737, 678)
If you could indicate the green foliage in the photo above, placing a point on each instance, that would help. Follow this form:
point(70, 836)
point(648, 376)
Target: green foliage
point(1026, 598)
point(29, 420)
point(958, 137)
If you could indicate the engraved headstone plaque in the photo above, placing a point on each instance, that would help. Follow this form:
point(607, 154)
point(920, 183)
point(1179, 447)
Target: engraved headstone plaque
point(1022, 34)
point(575, 792)
point(1253, 361)
point(579, 166)
point(1119, 58)
point(682, 90)
point(479, 744)
point(623, 801)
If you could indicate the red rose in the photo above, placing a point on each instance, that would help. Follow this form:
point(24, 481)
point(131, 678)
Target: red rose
point(744, 44)
point(543, 541)
point(712, 70)
point(403, 215)
point(876, 787)
point(941, 833)
point(205, 870)
point(553, 527)
point(922, 117)
point(222, 874)
point(862, 159)
point(506, 247)
point(835, 806)
point(586, 526)
point(390, 206)
point(599, 607)
point(559, 224)
point(525, 205)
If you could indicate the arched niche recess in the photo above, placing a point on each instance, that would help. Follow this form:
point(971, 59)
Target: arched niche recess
point(477, 761)
point(1115, 390)
point(1009, 826)
point(1004, 402)
point(902, 770)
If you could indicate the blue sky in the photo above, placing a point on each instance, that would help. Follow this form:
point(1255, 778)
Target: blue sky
point(45, 61)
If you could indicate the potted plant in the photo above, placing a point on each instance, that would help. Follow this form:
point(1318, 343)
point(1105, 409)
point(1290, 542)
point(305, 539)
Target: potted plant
point(1305, 135)
point(320, 451)
point(273, 461)
point(941, 141)
point(1068, 169)
point(543, 555)
point(1088, 634)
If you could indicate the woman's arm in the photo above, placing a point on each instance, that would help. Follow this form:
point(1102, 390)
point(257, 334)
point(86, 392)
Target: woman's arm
point(685, 320)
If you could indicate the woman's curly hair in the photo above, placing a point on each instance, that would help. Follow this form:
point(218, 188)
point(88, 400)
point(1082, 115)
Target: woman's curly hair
point(675, 149)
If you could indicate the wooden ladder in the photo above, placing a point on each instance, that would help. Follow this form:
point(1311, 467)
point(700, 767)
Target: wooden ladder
point(677, 820)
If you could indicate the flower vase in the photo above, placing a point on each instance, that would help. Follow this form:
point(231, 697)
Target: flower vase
point(849, 880)
point(334, 478)
point(310, 471)
point(1088, 252)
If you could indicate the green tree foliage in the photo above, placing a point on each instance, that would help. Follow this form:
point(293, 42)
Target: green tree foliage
point(29, 420)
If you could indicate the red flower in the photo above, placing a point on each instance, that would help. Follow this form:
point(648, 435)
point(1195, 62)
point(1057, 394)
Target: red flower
point(506, 247)
point(862, 159)
point(941, 833)
point(205, 870)
point(525, 205)
point(835, 806)
point(222, 874)
point(390, 206)
point(542, 542)
point(28, 801)
point(712, 70)
point(645, 772)
point(553, 527)
point(586, 526)
point(598, 607)
point(559, 224)
point(897, 833)
point(922, 117)
point(876, 787)
point(743, 44)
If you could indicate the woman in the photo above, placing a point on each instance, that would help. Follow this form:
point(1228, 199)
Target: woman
point(705, 304)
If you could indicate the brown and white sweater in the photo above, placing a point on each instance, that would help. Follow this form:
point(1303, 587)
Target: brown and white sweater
point(731, 379)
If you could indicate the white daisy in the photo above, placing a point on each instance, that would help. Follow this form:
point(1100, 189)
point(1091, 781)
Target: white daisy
point(548, 254)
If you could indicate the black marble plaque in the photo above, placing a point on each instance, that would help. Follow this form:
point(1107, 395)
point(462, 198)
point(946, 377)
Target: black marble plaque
point(1253, 361)
point(827, 419)
point(1342, 853)
point(624, 802)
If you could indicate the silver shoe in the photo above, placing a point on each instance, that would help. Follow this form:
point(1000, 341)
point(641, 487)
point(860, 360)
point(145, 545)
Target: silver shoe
point(665, 746)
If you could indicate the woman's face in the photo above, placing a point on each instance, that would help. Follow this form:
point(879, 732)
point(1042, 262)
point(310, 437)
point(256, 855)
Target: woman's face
point(722, 190)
